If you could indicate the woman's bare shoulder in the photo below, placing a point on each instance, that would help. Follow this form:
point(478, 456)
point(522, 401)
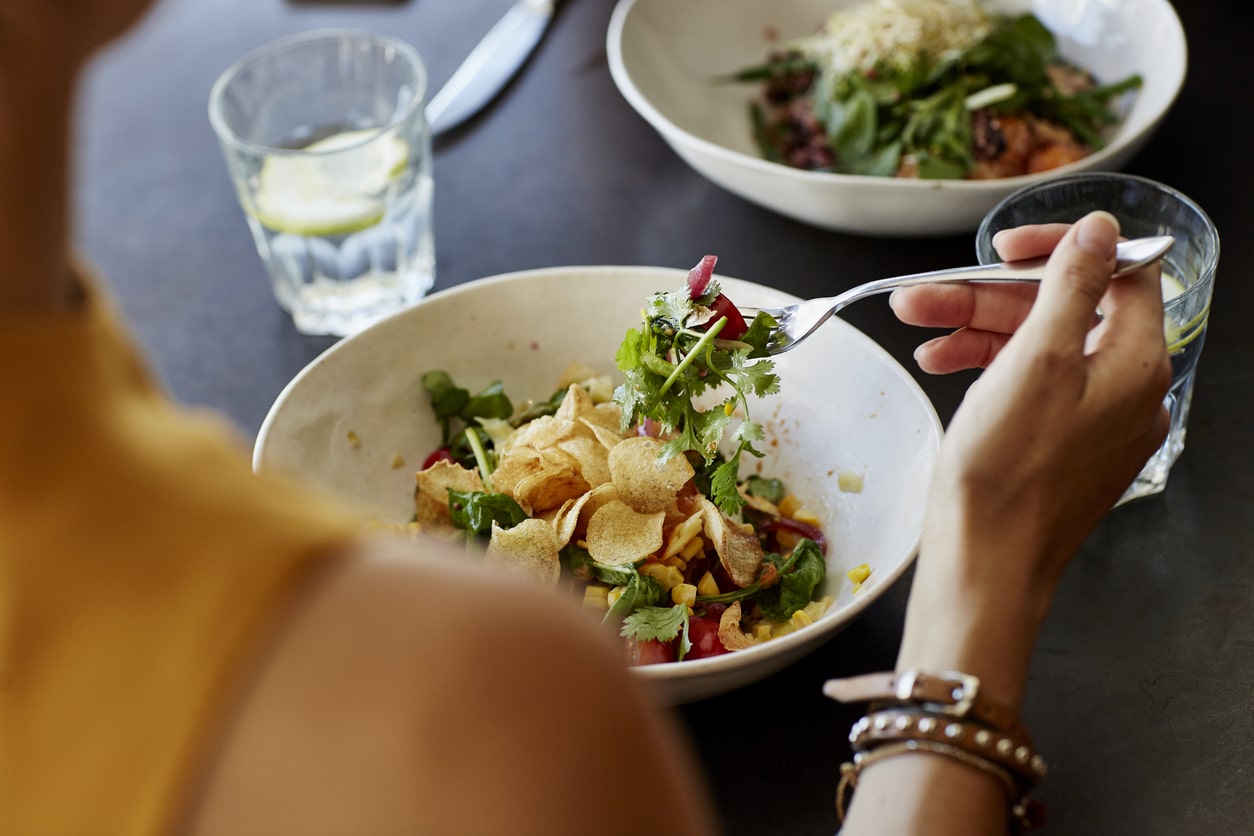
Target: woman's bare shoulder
point(409, 689)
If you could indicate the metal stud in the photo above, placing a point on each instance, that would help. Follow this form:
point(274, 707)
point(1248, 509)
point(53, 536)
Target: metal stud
point(1022, 754)
point(1038, 765)
point(881, 722)
point(954, 731)
point(904, 722)
point(1005, 747)
point(927, 725)
point(983, 738)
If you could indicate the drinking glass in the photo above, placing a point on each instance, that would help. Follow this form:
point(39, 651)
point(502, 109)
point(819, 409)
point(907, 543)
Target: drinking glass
point(328, 148)
point(1144, 208)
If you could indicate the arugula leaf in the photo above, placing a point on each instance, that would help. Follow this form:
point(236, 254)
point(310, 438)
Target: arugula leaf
point(796, 585)
point(451, 403)
point(475, 511)
point(641, 591)
point(578, 563)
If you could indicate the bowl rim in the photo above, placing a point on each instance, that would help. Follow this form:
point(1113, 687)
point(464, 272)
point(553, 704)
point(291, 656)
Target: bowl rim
point(675, 134)
point(786, 647)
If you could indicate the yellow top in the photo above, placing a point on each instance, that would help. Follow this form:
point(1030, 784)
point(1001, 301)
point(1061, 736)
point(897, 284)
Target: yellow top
point(140, 563)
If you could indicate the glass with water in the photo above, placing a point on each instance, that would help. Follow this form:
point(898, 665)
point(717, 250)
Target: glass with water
point(1144, 208)
point(328, 148)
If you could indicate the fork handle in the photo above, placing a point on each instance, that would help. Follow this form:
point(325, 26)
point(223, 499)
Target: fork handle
point(1130, 256)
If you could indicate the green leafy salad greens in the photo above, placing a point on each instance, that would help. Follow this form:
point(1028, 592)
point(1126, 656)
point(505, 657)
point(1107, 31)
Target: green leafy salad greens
point(674, 358)
point(879, 106)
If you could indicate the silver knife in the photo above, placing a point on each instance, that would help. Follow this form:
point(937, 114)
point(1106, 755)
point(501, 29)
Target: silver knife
point(490, 65)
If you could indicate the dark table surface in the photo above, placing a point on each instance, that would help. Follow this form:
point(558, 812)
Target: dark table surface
point(1143, 682)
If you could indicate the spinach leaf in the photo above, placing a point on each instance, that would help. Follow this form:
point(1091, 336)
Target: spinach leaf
point(641, 591)
point(772, 490)
point(475, 511)
point(580, 564)
point(796, 585)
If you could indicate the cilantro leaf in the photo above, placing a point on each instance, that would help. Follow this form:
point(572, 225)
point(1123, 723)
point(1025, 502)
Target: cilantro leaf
point(661, 624)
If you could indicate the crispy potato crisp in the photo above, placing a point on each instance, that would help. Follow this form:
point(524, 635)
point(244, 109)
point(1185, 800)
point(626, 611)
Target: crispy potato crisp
point(738, 550)
point(431, 504)
point(645, 482)
point(618, 535)
point(729, 629)
point(530, 548)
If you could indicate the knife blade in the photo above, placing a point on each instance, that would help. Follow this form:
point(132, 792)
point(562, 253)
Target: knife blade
point(490, 65)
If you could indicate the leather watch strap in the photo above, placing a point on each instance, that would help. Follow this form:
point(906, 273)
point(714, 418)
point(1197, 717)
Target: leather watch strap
point(950, 692)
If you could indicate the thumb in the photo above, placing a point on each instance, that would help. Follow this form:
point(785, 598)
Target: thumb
point(1075, 280)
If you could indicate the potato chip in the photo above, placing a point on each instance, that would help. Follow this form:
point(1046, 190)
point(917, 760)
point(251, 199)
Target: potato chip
point(729, 632)
point(645, 482)
point(608, 437)
point(738, 550)
point(549, 488)
point(618, 535)
point(529, 548)
point(577, 404)
point(592, 459)
point(565, 520)
point(431, 503)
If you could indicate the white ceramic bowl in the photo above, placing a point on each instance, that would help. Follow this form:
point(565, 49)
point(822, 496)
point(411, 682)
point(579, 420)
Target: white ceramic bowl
point(845, 405)
point(663, 55)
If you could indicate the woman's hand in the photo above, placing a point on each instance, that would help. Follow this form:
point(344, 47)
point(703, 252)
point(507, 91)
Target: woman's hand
point(1066, 414)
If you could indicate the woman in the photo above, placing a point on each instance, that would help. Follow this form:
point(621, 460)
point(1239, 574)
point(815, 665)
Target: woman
point(187, 647)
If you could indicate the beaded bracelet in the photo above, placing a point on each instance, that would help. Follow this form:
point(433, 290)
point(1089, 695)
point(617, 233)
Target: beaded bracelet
point(943, 715)
point(1011, 751)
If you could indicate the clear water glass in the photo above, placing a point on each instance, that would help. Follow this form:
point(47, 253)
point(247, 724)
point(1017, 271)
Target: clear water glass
point(329, 151)
point(1143, 207)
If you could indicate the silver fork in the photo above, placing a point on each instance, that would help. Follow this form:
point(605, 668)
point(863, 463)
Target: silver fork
point(796, 322)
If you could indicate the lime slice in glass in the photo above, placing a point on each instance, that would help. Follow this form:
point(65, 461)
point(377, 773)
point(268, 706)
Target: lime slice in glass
point(1174, 332)
point(336, 189)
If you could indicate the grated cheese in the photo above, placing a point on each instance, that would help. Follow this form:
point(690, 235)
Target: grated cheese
point(896, 32)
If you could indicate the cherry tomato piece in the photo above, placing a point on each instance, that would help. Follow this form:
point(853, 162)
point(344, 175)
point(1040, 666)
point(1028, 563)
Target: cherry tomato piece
point(440, 454)
point(703, 633)
point(649, 651)
point(736, 325)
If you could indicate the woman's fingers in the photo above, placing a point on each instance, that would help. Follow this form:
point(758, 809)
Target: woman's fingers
point(1076, 279)
point(966, 348)
point(1031, 241)
point(986, 307)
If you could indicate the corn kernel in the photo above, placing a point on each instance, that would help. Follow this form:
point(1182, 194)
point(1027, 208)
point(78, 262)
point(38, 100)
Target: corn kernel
point(801, 619)
point(762, 631)
point(783, 628)
point(354, 440)
point(684, 593)
point(611, 598)
point(398, 461)
point(728, 408)
point(786, 539)
point(695, 547)
point(789, 505)
point(815, 609)
point(666, 576)
point(677, 561)
point(707, 585)
point(859, 573)
point(805, 515)
point(596, 597)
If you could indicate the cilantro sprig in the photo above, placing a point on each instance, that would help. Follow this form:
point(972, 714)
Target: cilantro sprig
point(674, 358)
